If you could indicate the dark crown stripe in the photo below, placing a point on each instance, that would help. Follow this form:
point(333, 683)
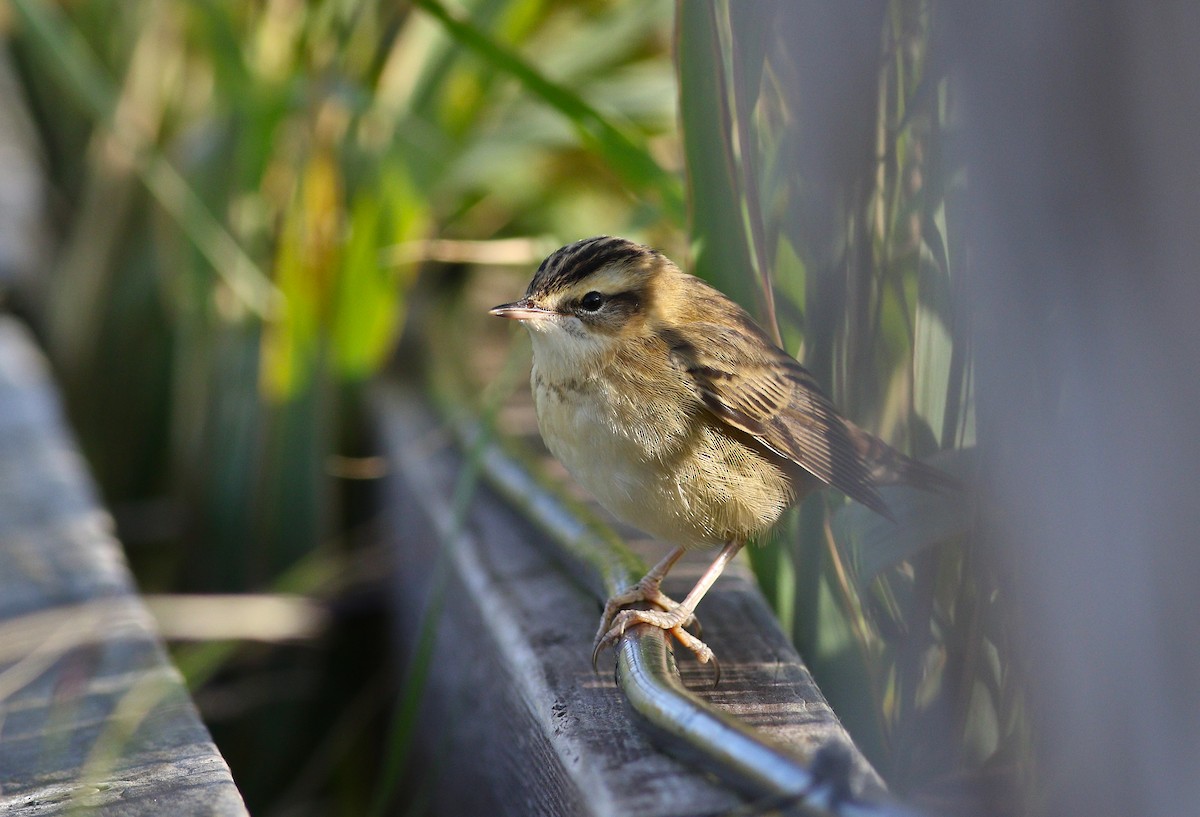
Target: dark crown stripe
point(577, 261)
point(583, 256)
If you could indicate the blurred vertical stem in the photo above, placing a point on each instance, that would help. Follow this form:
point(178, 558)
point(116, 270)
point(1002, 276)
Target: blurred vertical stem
point(813, 143)
point(720, 246)
point(747, 56)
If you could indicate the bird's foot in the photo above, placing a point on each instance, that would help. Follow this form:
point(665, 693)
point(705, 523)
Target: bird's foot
point(647, 591)
point(672, 621)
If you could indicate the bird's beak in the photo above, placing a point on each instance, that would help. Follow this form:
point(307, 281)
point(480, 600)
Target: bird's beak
point(522, 310)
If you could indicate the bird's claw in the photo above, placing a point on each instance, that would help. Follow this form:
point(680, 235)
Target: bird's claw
point(646, 591)
point(672, 621)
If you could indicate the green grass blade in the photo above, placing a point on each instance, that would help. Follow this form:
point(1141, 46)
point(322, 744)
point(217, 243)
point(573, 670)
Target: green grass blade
point(80, 72)
point(631, 160)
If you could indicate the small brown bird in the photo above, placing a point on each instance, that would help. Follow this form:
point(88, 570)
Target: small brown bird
point(664, 399)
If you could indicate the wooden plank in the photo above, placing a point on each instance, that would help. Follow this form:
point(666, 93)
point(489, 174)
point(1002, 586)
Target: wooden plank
point(92, 714)
point(512, 697)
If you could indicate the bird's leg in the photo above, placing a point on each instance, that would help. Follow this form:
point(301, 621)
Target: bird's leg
point(647, 589)
point(673, 618)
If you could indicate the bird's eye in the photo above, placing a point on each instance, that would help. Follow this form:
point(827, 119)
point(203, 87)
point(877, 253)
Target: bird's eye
point(591, 302)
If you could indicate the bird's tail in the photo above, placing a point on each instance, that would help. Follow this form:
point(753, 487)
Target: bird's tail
point(889, 467)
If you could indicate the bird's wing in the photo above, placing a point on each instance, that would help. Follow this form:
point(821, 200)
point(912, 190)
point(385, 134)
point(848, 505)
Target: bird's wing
point(751, 385)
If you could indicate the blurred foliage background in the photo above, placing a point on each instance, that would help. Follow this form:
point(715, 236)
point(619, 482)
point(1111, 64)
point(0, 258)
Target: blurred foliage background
point(250, 197)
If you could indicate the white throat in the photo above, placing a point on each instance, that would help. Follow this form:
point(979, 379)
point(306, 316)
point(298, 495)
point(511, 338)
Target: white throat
point(563, 349)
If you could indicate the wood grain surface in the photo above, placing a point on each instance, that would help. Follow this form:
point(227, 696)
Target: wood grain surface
point(93, 717)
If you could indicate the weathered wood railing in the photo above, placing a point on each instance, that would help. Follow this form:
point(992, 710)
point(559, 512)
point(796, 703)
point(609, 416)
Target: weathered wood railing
point(512, 702)
point(93, 717)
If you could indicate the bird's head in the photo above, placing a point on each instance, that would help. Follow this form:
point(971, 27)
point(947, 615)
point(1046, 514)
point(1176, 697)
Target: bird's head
point(589, 297)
